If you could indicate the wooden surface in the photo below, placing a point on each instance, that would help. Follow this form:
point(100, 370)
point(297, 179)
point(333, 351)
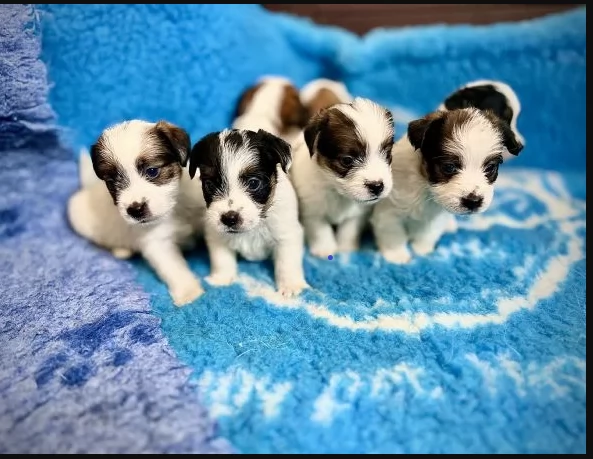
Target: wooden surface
point(361, 18)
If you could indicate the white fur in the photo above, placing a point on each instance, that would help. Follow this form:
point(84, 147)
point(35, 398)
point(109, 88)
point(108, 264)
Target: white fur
point(513, 100)
point(327, 200)
point(263, 112)
point(310, 90)
point(179, 209)
point(419, 213)
point(279, 235)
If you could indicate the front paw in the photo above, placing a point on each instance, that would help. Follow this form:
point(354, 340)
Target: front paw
point(122, 254)
point(323, 250)
point(186, 293)
point(292, 288)
point(221, 279)
point(348, 247)
point(399, 256)
point(423, 248)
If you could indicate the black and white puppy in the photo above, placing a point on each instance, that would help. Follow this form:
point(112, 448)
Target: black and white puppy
point(341, 168)
point(142, 200)
point(252, 207)
point(493, 95)
point(446, 165)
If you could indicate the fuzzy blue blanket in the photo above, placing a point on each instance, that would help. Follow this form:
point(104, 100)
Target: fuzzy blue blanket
point(479, 348)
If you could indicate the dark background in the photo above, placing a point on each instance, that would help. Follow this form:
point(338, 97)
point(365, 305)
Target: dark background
point(361, 18)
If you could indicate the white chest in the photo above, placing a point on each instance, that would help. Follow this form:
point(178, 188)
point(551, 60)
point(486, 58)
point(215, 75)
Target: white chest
point(339, 209)
point(256, 245)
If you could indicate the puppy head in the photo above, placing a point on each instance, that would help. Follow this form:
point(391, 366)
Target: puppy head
point(352, 146)
point(274, 99)
point(323, 93)
point(461, 151)
point(239, 173)
point(495, 96)
point(141, 164)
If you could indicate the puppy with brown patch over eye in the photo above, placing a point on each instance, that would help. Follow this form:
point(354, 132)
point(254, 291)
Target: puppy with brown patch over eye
point(272, 104)
point(341, 168)
point(252, 208)
point(446, 165)
point(142, 200)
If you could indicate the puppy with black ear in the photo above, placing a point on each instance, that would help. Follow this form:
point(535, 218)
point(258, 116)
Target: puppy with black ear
point(493, 95)
point(446, 165)
point(252, 208)
point(141, 199)
point(341, 169)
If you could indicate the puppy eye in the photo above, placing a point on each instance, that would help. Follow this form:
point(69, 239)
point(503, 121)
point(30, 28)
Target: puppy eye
point(152, 172)
point(208, 185)
point(491, 168)
point(253, 184)
point(448, 168)
point(346, 161)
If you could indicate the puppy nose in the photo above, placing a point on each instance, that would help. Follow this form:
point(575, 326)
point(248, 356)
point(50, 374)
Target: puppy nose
point(375, 188)
point(137, 210)
point(230, 218)
point(472, 201)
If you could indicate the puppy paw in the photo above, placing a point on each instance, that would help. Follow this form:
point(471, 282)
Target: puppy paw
point(220, 279)
point(122, 254)
point(348, 247)
point(399, 256)
point(423, 248)
point(322, 251)
point(187, 293)
point(291, 288)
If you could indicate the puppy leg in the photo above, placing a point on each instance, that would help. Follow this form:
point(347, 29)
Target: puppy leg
point(426, 234)
point(391, 237)
point(166, 259)
point(349, 233)
point(122, 254)
point(320, 237)
point(223, 262)
point(288, 266)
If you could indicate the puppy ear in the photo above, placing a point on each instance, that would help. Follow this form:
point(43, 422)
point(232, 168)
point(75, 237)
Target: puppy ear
point(418, 129)
point(244, 100)
point(292, 110)
point(311, 131)
point(199, 151)
point(277, 148)
point(509, 139)
point(94, 154)
point(178, 138)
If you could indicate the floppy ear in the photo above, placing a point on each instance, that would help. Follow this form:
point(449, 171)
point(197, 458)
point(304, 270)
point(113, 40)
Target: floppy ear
point(292, 110)
point(94, 154)
point(178, 138)
point(509, 139)
point(418, 129)
point(198, 152)
point(277, 148)
point(311, 131)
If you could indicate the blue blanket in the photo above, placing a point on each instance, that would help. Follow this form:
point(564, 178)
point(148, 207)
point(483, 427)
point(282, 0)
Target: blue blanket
point(479, 348)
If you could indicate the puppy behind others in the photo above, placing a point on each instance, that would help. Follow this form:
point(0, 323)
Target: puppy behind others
point(446, 165)
point(272, 104)
point(341, 168)
point(144, 201)
point(252, 208)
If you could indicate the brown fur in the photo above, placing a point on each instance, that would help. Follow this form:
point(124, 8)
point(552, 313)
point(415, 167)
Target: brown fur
point(292, 111)
point(324, 98)
point(246, 99)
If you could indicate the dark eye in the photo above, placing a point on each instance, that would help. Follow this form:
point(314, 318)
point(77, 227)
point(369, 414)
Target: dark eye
point(253, 184)
point(346, 161)
point(448, 168)
point(152, 172)
point(491, 168)
point(208, 185)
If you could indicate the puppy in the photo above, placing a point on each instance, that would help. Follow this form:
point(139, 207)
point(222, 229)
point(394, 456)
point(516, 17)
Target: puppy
point(341, 168)
point(323, 93)
point(272, 104)
point(142, 200)
point(252, 208)
point(447, 164)
point(492, 95)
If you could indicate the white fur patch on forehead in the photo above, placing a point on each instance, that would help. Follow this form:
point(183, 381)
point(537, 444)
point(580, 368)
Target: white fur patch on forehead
point(235, 157)
point(473, 137)
point(126, 140)
point(371, 121)
point(310, 90)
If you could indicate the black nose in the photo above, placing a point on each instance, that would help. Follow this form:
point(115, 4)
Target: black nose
point(230, 218)
point(137, 210)
point(375, 187)
point(472, 201)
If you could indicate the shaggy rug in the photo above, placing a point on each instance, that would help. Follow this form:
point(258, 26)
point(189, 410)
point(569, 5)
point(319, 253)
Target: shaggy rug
point(479, 348)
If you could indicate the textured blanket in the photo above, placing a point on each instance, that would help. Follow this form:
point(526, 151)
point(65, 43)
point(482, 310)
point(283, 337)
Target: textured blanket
point(479, 348)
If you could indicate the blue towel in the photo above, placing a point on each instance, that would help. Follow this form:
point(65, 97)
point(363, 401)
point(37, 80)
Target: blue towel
point(479, 348)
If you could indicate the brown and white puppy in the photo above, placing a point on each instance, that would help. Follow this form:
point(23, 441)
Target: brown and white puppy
point(323, 93)
point(446, 165)
point(142, 200)
point(252, 207)
point(341, 168)
point(493, 95)
point(272, 104)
